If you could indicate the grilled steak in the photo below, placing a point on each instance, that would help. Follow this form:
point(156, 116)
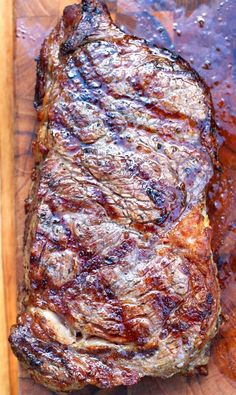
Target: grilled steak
point(119, 277)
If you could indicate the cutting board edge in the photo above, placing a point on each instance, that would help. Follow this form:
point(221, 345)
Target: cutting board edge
point(9, 382)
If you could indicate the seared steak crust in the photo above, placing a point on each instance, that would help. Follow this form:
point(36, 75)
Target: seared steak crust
point(119, 277)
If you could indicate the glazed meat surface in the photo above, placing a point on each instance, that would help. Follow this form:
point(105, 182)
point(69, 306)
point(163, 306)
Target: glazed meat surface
point(119, 277)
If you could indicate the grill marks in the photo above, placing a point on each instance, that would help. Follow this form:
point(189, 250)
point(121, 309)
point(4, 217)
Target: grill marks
point(82, 118)
point(117, 246)
point(65, 361)
point(89, 83)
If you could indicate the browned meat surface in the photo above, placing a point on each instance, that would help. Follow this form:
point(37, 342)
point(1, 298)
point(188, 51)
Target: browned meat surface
point(119, 277)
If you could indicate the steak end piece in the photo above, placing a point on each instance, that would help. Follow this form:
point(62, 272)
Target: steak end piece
point(119, 277)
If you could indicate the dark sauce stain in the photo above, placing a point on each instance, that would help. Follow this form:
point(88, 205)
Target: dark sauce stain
point(167, 199)
point(203, 32)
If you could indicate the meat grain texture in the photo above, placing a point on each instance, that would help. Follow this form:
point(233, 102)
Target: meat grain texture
point(119, 277)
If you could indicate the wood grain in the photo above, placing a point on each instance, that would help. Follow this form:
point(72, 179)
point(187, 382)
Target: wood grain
point(8, 370)
point(34, 20)
point(26, 8)
point(4, 371)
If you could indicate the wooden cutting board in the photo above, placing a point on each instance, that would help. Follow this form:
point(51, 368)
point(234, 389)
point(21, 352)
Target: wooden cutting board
point(34, 19)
